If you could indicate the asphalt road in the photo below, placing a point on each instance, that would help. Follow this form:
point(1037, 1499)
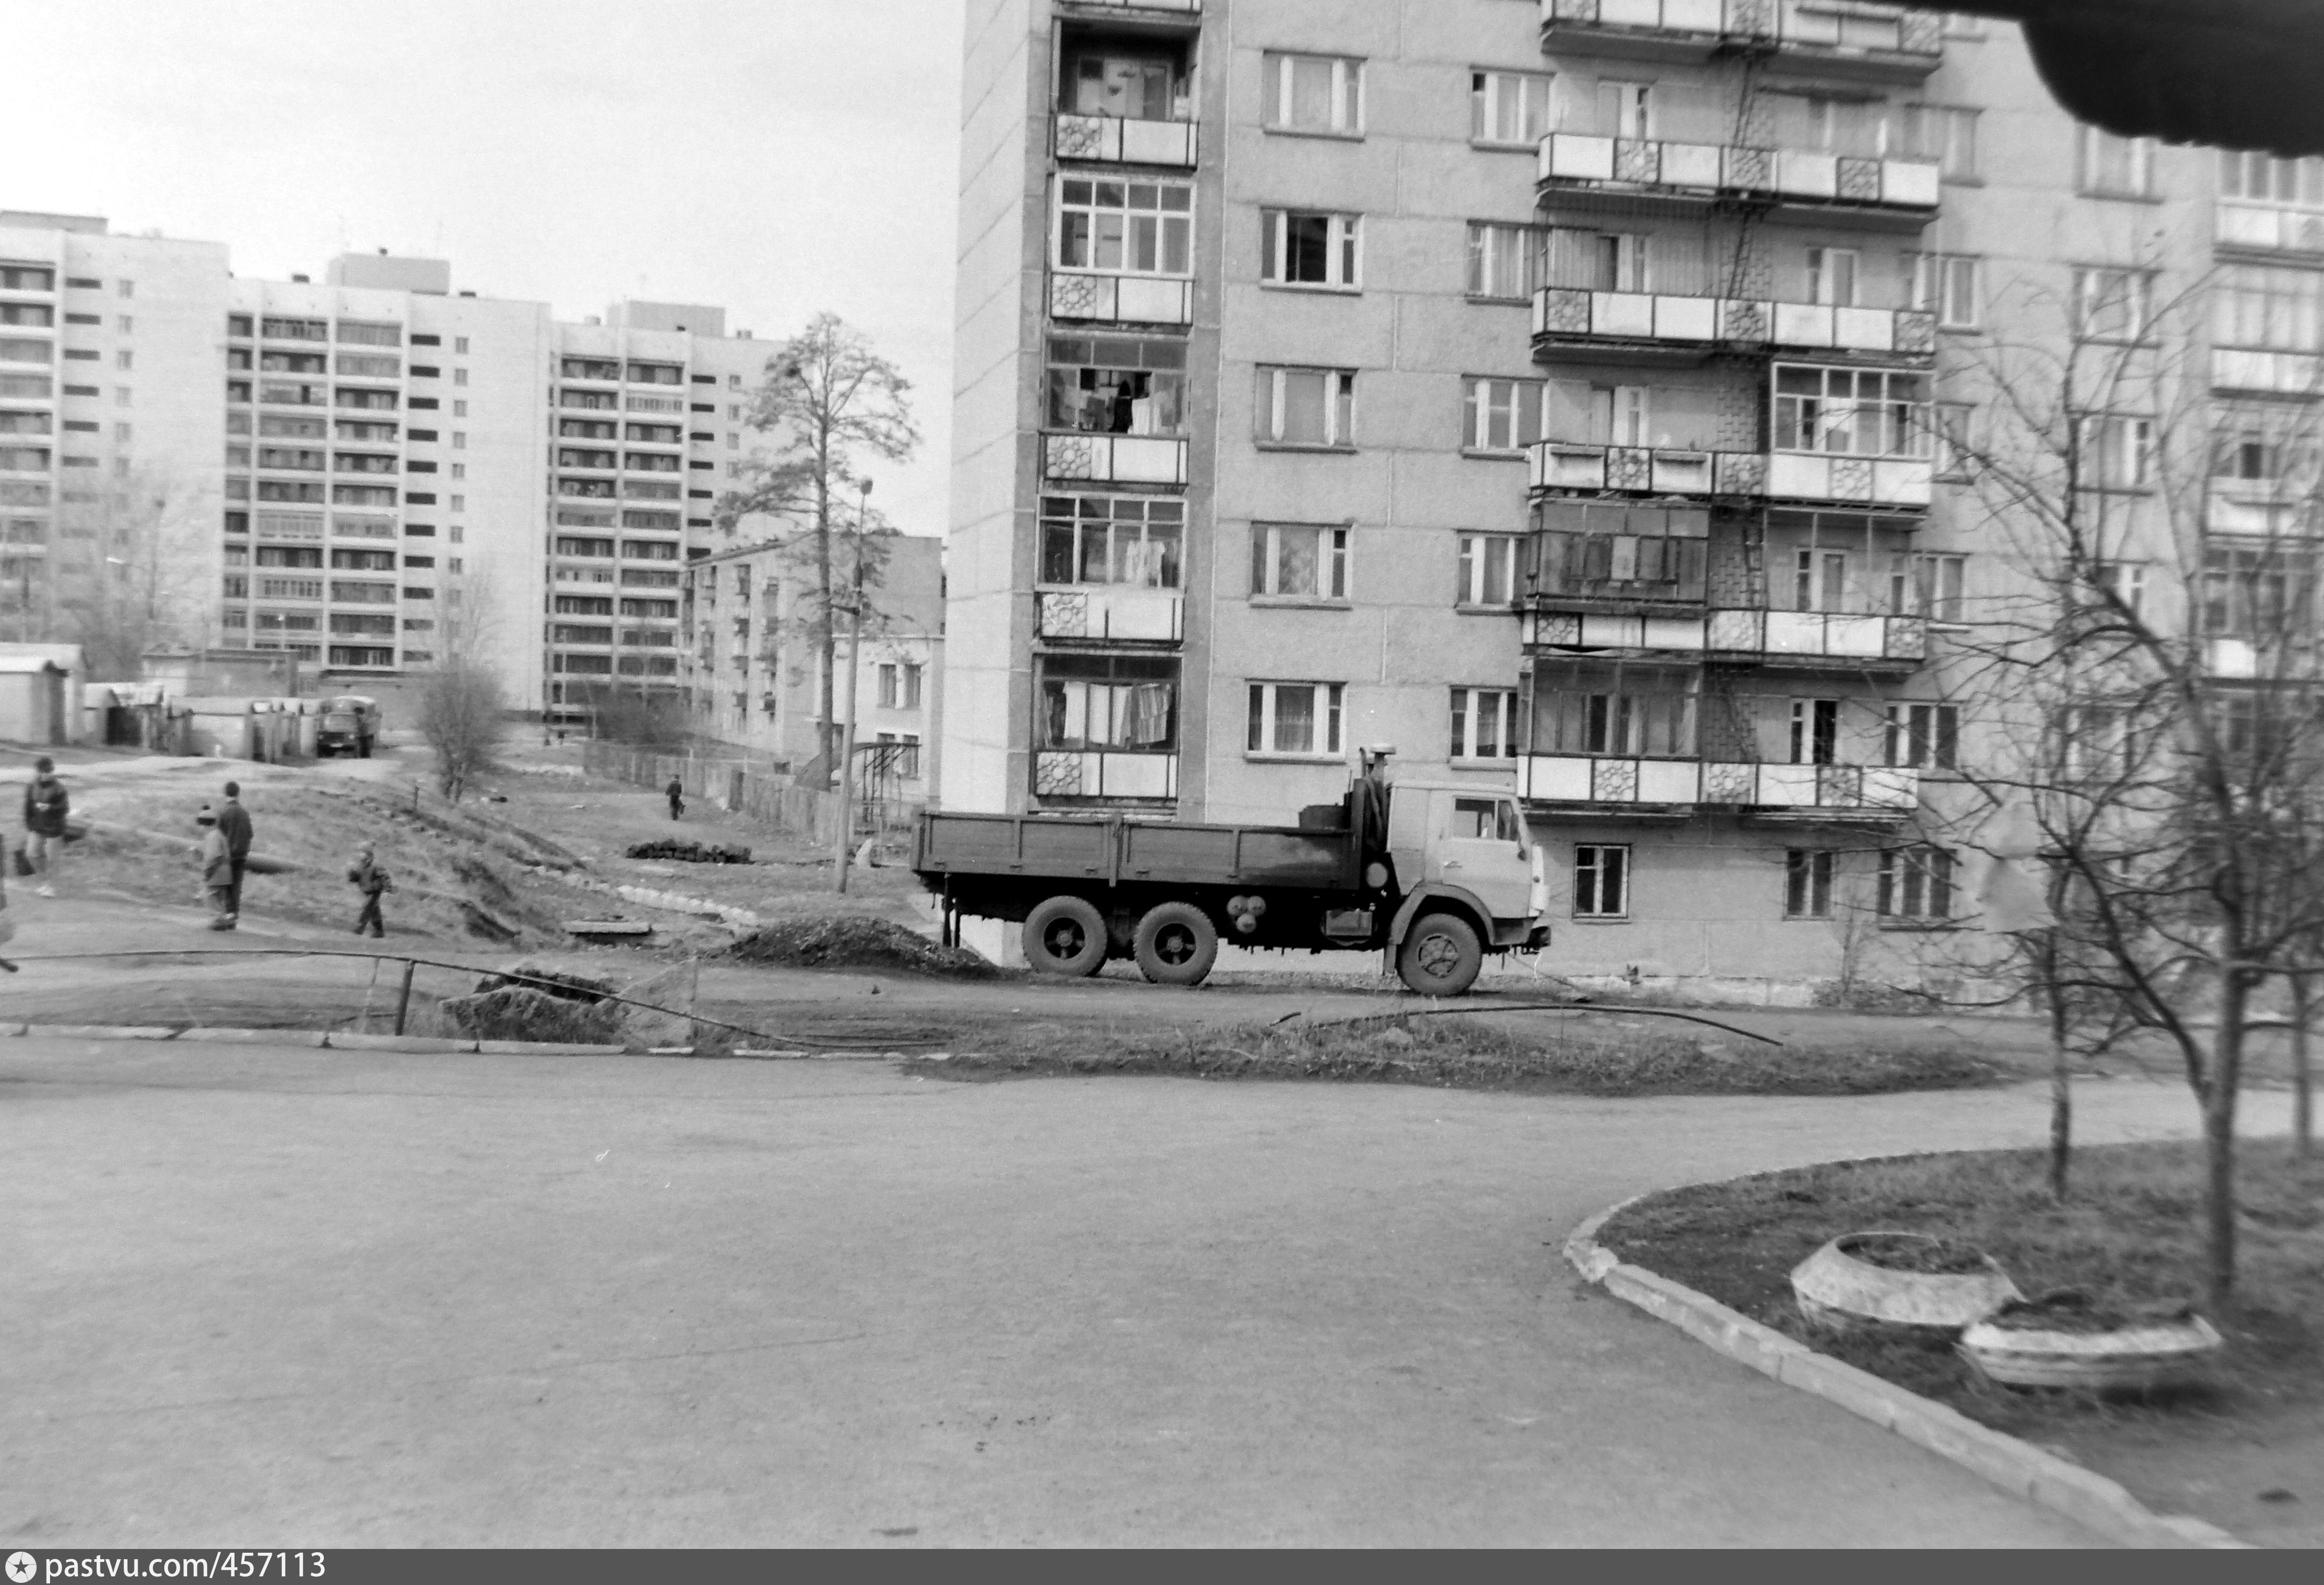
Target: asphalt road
point(274, 1297)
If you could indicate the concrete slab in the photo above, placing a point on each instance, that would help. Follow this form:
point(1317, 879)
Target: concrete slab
point(337, 1041)
point(102, 1031)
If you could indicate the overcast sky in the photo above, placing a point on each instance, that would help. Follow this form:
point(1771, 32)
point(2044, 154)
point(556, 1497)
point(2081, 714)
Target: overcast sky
point(774, 156)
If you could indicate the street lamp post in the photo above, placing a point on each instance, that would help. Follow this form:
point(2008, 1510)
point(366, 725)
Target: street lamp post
point(844, 841)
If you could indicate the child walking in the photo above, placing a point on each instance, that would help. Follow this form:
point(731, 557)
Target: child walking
point(216, 856)
point(371, 881)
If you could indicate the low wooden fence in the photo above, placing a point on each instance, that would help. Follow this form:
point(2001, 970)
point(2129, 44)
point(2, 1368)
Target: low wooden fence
point(748, 787)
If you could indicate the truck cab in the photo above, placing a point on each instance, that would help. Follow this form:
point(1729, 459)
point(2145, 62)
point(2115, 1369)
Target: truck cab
point(350, 725)
point(1455, 842)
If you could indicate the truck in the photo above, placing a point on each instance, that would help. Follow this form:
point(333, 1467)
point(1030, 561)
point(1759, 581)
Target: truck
point(1438, 875)
point(350, 725)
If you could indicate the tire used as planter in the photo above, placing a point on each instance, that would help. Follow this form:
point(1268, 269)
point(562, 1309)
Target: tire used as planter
point(1441, 956)
point(1844, 1286)
point(1175, 945)
point(2046, 1343)
point(1064, 935)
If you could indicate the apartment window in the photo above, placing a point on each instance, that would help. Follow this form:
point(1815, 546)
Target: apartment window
point(459, 409)
point(2254, 591)
point(361, 333)
point(2116, 452)
point(1509, 107)
point(1117, 385)
point(1500, 415)
point(1831, 276)
point(121, 433)
point(1484, 724)
point(1932, 587)
point(2125, 581)
point(1488, 574)
point(1125, 227)
point(127, 288)
point(1946, 285)
point(2266, 179)
point(1863, 412)
point(460, 469)
point(1306, 407)
point(1298, 561)
point(1922, 737)
point(2112, 305)
point(1955, 445)
point(912, 681)
point(1626, 110)
point(1506, 261)
point(1314, 93)
point(460, 533)
point(459, 504)
point(1299, 718)
point(1125, 703)
point(889, 693)
point(459, 377)
point(1819, 580)
point(1127, 540)
point(1807, 882)
point(124, 359)
point(1815, 732)
point(30, 278)
point(1302, 248)
point(455, 565)
point(1946, 134)
point(460, 344)
point(2257, 306)
point(1916, 883)
point(2110, 167)
point(1601, 880)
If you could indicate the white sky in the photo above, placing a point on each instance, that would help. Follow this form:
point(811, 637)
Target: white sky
point(774, 156)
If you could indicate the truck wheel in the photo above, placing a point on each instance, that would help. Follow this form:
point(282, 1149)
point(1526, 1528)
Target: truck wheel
point(1175, 945)
point(1440, 956)
point(363, 750)
point(1064, 935)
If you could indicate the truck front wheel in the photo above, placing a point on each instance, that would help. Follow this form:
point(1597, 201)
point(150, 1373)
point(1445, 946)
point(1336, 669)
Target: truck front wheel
point(1175, 945)
point(1064, 935)
point(1441, 956)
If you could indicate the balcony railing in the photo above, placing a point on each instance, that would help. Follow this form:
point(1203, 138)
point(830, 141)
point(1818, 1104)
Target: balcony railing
point(1869, 790)
point(1861, 39)
point(1124, 299)
point(1185, 6)
point(1120, 459)
point(1113, 140)
point(2281, 373)
point(1760, 634)
point(1575, 160)
point(1103, 773)
point(1155, 616)
point(2273, 508)
point(2268, 228)
point(1782, 476)
point(1566, 314)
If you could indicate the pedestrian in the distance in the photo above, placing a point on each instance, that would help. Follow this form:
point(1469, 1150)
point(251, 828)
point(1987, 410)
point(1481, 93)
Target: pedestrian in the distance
point(216, 861)
point(45, 807)
point(371, 881)
point(676, 793)
point(234, 824)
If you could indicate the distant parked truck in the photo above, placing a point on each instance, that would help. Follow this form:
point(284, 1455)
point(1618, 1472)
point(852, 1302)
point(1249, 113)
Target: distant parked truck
point(350, 726)
point(1438, 874)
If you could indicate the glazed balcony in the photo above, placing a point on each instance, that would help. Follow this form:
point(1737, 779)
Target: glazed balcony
point(1892, 191)
point(1816, 478)
point(1114, 459)
point(1789, 640)
point(1110, 140)
point(1110, 612)
point(1108, 9)
point(2264, 368)
point(1607, 784)
point(1104, 773)
point(1573, 317)
point(1081, 296)
point(2272, 509)
point(2267, 229)
point(1838, 38)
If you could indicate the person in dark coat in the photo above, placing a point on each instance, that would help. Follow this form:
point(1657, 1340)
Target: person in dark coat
point(45, 807)
point(234, 824)
point(676, 793)
point(371, 881)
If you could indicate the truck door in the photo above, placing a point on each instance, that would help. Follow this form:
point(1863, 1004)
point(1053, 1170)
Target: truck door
point(1481, 846)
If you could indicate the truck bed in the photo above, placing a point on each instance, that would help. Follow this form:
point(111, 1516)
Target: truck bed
point(1132, 851)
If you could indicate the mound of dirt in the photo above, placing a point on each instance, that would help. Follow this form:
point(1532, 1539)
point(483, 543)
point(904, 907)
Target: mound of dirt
point(855, 943)
point(520, 1012)
point(691, 853)
point(571, 987)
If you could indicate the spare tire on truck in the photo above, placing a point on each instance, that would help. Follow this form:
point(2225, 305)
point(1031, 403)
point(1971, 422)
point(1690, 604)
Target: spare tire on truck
point(1064, 935)
point(1441, 956)
point(1175, 945)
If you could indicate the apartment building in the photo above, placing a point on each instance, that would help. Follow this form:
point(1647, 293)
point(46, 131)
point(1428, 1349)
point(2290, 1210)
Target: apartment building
point(753, 673)
point(1562, 391)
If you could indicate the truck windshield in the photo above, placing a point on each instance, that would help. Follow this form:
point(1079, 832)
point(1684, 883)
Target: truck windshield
point(1491, 819)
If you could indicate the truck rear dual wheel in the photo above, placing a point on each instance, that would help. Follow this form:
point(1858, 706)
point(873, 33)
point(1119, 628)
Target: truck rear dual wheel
point(1175, 945)
point(1064, 935)
point(1441, 956)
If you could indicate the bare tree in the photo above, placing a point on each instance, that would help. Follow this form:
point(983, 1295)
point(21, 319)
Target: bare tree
point(461, 707)
point(833, 402)
point(121, 586)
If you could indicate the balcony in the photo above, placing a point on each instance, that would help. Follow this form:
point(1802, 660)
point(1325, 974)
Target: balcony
point(1114, 140)
point(1185, 8)
point(2271, 508)
point(1576, 162)
point(1797, 639)
point(1112, 613)
point(1574, 317)
point(1101, 773)
point(2278, 373)
point(2267, 229)
point(1840, 38)
point(1862, 792)
point(1774, 476)
point(1117, 459)
point(1120, 300)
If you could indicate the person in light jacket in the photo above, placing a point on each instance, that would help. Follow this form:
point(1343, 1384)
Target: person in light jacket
point(371, 881)
point(217, 860)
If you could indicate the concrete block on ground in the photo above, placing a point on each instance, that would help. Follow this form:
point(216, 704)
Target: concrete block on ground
point(544, 1048)
point(100, 1032)
point(11, 1029)
point(1989, 1454)
point(309, 1038)
point(421, 1042)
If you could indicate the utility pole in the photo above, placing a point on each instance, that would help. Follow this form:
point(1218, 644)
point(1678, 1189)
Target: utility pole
point(844, 841)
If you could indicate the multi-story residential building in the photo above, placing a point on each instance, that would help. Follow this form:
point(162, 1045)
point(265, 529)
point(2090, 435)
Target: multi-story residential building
point(754, 673)
point(1556, 390)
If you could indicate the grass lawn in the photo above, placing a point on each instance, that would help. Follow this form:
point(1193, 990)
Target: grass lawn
point(2247, 1453)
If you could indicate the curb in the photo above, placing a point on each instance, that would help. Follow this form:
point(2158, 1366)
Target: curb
point(2104, 1506)
point(312, 1039)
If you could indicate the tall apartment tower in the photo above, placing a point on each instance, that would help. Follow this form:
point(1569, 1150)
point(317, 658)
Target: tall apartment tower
point(1555, 389)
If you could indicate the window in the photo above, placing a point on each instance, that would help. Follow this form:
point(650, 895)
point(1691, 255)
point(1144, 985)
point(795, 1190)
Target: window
point(1865, 412)
point(121, 433)
point(2098, 741)
point(1626, 110)
point(1306, 407)
point(1819, 580)
point(1507, 107)
point(1619, 711)
point(1807, 882)
point(1815, 732)
point(1300, 247)
point(1298, 561)
point(1114, 385)
point(459, 377)
point(2124, 580)
point(1916, 883)
point(2110, 167)
point(39, 316)
point(887, 686)
point(1125, 227)
point(1601, 880)
point(1506, 261)
point(127, 288)
point(1946, 285)
point(1124, 703)
point(1488, 570)
point(1294, 718)
point(1956, 445)
point(2255, 590)
point(124, 359)
point(1127, 539)
point(1923, 737)
point(2112, 305)
point(2256, 307)
point(30, 278)
point(1933, 588)
point(361, 333)
point(124, 324)
point(2265, 179)
point(912, 674)
point(1314, 93)
point(2114, 452)
point(459, 409)
point(1500, 415)
point(1484, 724)
point(459, 343)
point(1946, 134)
